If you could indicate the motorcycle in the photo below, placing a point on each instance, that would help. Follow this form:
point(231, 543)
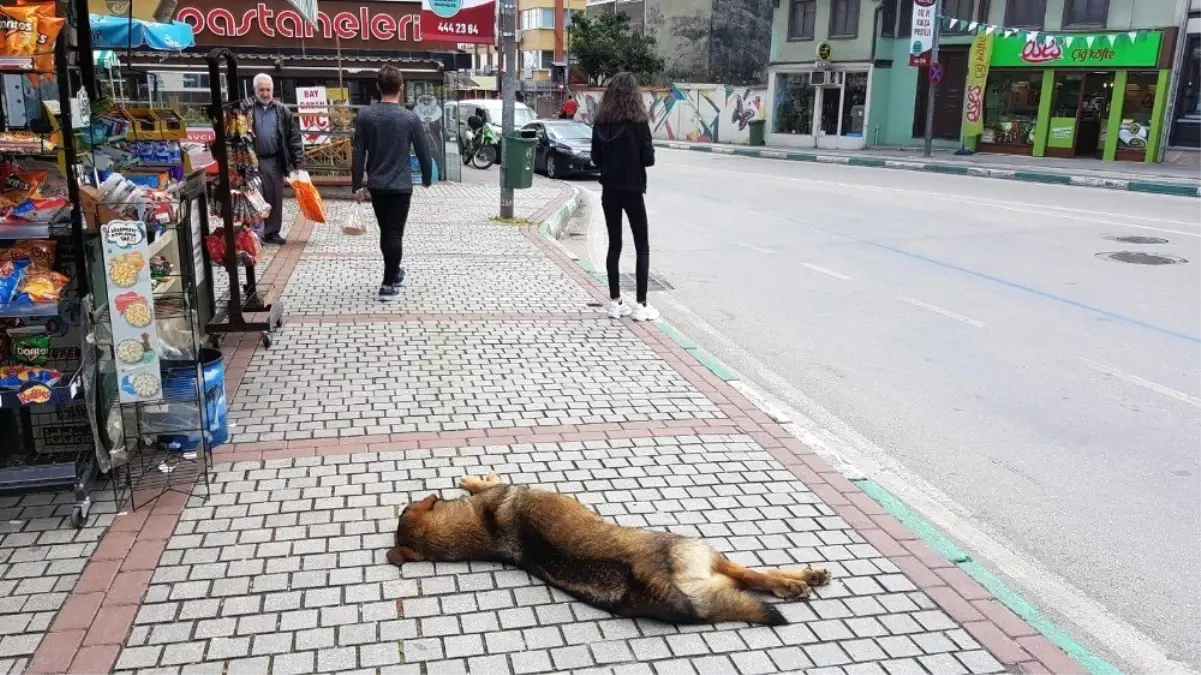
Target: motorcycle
point(483, 149)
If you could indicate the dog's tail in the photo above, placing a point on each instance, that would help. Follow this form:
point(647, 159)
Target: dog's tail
point(731, 604)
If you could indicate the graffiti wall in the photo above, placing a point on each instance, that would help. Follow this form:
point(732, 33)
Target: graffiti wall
point(701, 113)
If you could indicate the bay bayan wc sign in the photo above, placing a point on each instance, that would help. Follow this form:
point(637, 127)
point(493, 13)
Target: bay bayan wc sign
point(470, 21)
point(391, 26)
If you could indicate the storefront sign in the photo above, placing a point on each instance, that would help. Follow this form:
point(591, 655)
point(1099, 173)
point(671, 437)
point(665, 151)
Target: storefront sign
point(824, 51)
point(977, 77)
point(1062, 133)
point(348, 24)
point(1083, 51)
point(313, 108)
point(470, 21)
point(922, 31)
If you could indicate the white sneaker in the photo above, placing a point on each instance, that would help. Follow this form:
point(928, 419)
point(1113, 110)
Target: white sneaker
point(618, 308)
point(644, 312)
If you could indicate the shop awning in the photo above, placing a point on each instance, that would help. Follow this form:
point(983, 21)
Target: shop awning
point(293, 64)
point(483, 82)
point(106, 58)
point(120, 32)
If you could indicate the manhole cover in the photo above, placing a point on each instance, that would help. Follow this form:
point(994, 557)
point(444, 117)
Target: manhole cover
point(654, 282)
point(1140, 258)
point(1139, 240)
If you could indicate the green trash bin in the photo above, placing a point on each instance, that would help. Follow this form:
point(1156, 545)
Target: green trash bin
point(518, 149)
point(756, 129)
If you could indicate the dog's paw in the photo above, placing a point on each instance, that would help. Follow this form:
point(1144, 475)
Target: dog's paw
point(816, 576)
point(791, 589)
point(474, 484)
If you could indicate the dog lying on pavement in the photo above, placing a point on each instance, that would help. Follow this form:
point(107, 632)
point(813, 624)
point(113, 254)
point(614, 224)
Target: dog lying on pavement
point(627, 571)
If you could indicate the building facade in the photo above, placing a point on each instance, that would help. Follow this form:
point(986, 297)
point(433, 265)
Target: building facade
point(1073, 78)
point(1185, 117)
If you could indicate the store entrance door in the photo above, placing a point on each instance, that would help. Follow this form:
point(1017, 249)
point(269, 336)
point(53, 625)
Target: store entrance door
point(1081, 105)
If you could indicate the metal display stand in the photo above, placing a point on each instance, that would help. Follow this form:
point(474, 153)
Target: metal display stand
point(54, 450)
point(253, 297)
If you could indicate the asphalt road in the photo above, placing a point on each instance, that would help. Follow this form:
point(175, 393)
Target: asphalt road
point(962, 333)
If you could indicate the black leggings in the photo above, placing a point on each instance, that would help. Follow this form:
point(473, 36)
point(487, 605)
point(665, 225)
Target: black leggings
point(391, 211)
point(613, 203)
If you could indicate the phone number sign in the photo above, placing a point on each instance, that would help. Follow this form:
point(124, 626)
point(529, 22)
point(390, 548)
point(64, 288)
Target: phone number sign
point(471, 21)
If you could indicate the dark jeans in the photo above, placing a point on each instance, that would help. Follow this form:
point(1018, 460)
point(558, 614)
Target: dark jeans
point(613, 202)
point(391, 211)
point(271, 170)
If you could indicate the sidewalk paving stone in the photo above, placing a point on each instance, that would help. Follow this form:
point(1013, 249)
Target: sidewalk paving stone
point(725, 488)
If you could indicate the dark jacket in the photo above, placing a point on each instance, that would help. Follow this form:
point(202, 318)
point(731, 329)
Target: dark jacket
point(289, 134)
point(623, 151)
point(385, 135)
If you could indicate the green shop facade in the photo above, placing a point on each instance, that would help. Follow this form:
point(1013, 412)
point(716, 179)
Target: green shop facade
point(1087, 95)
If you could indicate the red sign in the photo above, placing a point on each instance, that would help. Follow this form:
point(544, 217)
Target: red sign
point(470, 21)
point(1041, 52)
point(349, 24)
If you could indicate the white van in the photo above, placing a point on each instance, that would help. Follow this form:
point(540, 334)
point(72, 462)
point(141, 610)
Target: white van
point(522, 114)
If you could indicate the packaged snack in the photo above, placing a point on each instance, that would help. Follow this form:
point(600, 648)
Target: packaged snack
point(48, 30)
point(16, 184)
point(11, 274)
point(30, 346)
point(40, 210)
point(39, 253)
point(19, 28)
point(12, 377)
point(41, 286)
point(160, 267)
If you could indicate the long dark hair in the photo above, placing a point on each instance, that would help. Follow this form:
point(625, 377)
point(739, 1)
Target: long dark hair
point(622, 102)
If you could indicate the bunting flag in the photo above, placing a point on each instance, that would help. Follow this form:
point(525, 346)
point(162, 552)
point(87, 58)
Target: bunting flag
point(952, 23)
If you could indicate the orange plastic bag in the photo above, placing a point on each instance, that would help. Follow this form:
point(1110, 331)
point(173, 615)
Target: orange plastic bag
point(307, 197)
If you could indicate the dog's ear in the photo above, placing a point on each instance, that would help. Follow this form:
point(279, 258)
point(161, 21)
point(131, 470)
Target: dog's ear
point(425, 504)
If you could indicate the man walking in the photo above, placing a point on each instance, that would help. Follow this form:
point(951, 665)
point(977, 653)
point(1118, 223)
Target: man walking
point(277, 144)
point(384, 132)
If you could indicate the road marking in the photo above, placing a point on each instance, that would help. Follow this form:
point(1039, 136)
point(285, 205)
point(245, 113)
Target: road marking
point(752, 247)
point(1063, 212)
point(829, 273)
point(945, 312)
point(856, 456)
point(1148, 384)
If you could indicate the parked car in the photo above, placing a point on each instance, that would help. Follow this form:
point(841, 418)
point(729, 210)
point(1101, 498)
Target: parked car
point(564, 147)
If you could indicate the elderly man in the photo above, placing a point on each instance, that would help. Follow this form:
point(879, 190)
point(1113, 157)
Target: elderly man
point(277, 144)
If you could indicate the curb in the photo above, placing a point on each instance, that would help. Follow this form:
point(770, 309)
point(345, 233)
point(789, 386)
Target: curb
point(1047, 177)
point(552, 226)
point(942, 545)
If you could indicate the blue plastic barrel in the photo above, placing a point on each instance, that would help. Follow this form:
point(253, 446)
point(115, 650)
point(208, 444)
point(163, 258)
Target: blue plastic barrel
point(179, 388)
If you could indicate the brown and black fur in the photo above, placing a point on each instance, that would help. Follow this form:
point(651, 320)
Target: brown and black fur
point(627, 571)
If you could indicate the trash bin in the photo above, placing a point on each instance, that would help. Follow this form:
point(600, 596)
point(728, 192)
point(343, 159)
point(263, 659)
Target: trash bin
point(757, 128)
point(182, 399)
point(519, 159)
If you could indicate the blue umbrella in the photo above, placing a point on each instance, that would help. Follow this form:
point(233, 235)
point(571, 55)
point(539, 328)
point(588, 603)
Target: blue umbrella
point(119, 32)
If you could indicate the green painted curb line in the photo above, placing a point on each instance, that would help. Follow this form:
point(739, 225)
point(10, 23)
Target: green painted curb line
point(1034, 177)
point(947, 168)
point(678, 337)
point(1008, 597)
point(866, 161)
point(709, 361)
point(1162, 188)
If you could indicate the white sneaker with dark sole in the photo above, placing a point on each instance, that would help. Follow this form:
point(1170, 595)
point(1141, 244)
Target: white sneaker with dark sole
point(644, 312)
point(618, 309)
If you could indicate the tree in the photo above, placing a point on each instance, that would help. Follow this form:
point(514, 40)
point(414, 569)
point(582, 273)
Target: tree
point(607, 45)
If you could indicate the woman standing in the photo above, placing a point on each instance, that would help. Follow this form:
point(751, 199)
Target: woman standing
point(622, 149)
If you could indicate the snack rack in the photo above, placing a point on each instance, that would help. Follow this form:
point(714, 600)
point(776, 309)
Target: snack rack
point(233, 150)
point(54, 450)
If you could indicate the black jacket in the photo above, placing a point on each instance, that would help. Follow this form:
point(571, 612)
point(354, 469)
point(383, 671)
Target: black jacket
point(289, 134)
point(623, 151)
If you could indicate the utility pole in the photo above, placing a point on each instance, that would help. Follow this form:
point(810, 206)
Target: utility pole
point(937, 30)
point(508, 86)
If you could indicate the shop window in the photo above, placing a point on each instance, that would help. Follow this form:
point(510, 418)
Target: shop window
point(794, 105)
point(844, 18)
point(1011, 107)
point(1137, 105)
point(854, 104)
point(1186, 130)
point(800, 19)
point(888, 19)
point(1085, 13)
point(964, 10)
point(905, 19)
point(1026, 13)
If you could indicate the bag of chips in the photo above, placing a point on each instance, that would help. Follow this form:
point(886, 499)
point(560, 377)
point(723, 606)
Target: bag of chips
point(11, 274)
point(30, 346)
point(38, 252)
point(48, 30)
point(40, 286)
point(12, 377)
point(17, 184)
point(19, 28)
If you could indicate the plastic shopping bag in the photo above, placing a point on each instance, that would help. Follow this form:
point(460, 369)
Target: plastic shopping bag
point(355, 224)
point(307, 196)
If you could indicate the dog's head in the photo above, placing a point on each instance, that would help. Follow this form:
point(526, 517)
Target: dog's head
point(413, 531)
